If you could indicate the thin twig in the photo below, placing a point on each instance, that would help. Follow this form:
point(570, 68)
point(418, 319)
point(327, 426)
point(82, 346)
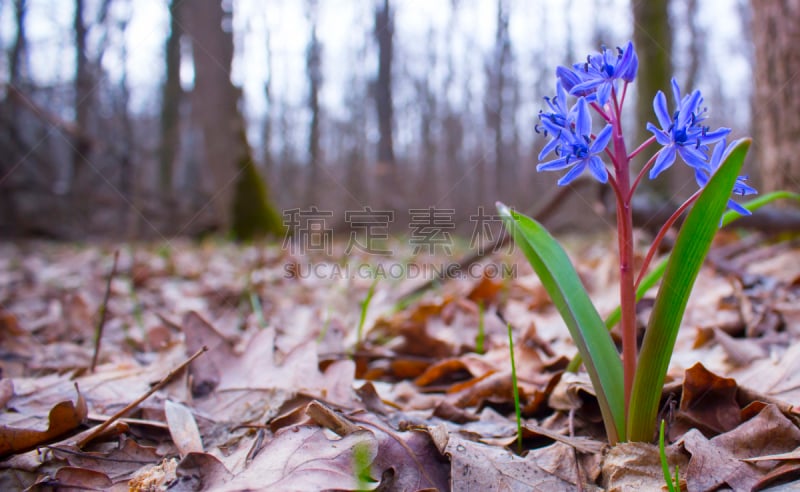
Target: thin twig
point(98, 333)
point(100, 428)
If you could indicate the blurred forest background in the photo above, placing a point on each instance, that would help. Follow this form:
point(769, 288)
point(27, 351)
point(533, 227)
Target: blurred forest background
point(153, 118)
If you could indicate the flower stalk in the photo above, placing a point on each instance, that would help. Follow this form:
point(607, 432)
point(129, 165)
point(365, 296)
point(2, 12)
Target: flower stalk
point(600, 84)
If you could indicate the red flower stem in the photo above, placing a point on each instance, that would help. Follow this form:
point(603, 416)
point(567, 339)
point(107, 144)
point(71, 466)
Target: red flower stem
point(600, 111)
point(645, 168)
point(627, 293)
point(641, 147)
point(663, 232)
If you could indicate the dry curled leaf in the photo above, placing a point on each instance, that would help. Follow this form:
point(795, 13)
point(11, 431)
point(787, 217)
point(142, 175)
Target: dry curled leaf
point(62, 418)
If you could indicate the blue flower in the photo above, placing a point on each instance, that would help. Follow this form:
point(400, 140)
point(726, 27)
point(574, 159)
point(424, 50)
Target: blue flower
point(575, 148)
point(598, 76)
point(703, 174)
point(555, 121)
point(557, 117)
point(682, 133)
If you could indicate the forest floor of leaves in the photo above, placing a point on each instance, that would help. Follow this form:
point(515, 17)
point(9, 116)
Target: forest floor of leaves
point(280, 394)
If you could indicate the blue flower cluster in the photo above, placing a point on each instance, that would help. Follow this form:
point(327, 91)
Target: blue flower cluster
point(595, 84)
point(681, 132)
point(598, 76)
point(593, 81)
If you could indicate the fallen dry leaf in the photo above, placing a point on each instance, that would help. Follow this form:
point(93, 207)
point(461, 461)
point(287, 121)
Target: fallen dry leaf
point(637, 466)
point(477, 466)
point(183, 428)
point(299, 458)
point(283, 348)
point(62, 418)
point(708, 402)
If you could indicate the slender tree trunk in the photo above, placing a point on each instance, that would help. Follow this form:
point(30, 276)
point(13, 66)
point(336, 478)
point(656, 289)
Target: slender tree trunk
point(214, 101)
point(388, 184)
point(10, 109)
point(171, 97)
point(82, 105)
point(267, 125)
point(238, 194)
point(652, 38)
point(20, 42)
point(776, 98)
point(499, 103)
point(314, 73)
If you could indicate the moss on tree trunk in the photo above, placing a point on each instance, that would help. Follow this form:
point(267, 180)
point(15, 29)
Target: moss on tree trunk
point(253, 213)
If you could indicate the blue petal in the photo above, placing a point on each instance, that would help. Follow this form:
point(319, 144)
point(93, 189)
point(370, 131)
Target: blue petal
point(583, 122)
point(604, 92)
point(664, 160)
point(586, 86)
point(738, 208)
point(662, 137)
point(572, 174)
point(602, 140)
point(716, 156)
point(660, 108)
point(692, 156)
point(554, 165)
point(550, 126)
point(715, 136)
point(561, 96)
point(568, 78)
point(629, 64)
point(551, 145)
point(741, 188)
point(676, 92)
point(701, 177)
point(598, 169)
point(688, 109)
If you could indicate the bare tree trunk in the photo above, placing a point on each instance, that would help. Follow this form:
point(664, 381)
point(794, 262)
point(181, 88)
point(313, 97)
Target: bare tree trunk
point(427, 104)
point(126, 146)
point(776, 98)
point(499, 104)
point(171, 97)
point(267, 125)
point(697, 44)
point(384, 35)
point(238, 194)
point(82, 105)
point(214, 101)
point(19, 48)
point(652, 37)
point(314, 73)
point(8, 214)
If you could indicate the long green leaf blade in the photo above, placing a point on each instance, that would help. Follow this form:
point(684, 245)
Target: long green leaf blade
point(552, 265)
point(654, 275)
point(691, 247)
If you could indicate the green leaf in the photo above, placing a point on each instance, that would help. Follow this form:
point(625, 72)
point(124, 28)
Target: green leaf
point(691, 247)
point(756, 203)
point(654, 275)
point(552, 265)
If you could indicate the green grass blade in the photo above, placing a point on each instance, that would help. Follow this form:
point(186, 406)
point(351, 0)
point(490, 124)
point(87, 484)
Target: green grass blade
point(515, 389)
point(691, 248)
point(655, 274)
point(662, 453)
point(364, 307)
point(481, 336)
point(552, 265)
